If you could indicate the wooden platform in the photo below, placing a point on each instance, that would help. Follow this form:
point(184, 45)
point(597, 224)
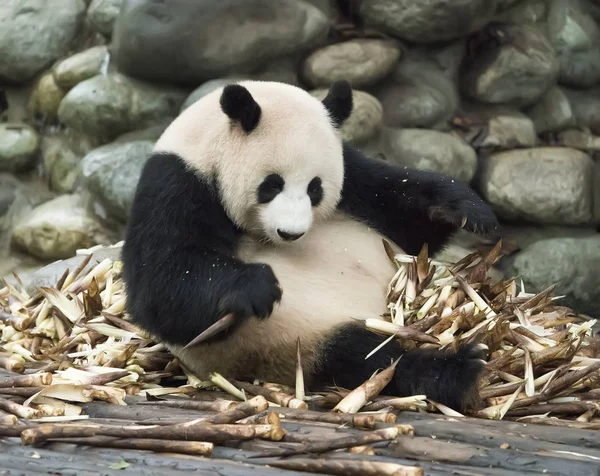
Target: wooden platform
point(441, 446)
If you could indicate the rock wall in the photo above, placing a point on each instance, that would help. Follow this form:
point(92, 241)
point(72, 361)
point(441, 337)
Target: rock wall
point(503, 94)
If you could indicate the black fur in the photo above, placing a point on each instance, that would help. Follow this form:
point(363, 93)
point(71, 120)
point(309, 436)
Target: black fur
point(270, 187)
point(446, 377)
point(179, 265)
point(411, 207)
point(239, 105)
point(339, 102)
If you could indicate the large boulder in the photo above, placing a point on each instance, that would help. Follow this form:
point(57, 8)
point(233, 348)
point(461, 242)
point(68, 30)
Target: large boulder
point(183, 42)
point(56, 229)
point(46, 97)
point(427, 21)
point(111, 174)
point(430, 150)
point(552, 112)
point(586, 107)
point(546, 185)
point(421, 91)
point(35, 33)
point(576, 38)
point(107, 106)
point(362, 62)
point(513, 64)
point(19, 145)
point(571, 263)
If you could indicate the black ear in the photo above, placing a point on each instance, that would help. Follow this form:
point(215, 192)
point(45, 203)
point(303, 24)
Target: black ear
point(339, 102)
point(237, 102)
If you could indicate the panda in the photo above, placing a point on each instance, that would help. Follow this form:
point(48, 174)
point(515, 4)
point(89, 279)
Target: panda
point(252, 205)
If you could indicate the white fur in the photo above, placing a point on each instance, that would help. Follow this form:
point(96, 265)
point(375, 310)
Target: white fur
point(338, 271)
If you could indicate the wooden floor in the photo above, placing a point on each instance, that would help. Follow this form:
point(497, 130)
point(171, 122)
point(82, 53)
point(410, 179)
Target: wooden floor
point(441, 446)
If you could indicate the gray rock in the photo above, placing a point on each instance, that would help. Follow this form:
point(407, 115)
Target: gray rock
point(576, 38)
point(51, 273)
point(58, 228)
point(208, 87)
point(61, 155)
point(211, 39)
point(496, 128)
point(46, 97)
point(9, 187)
point(35, 33)
point(578, 139)
point(362, 62)
point(546, 185)
point(586, 107)
point(596, 188)
point(430, 150)
point(366, 119)
point(111, 174)
point(102, 14)
point(19, 144)
point(79, 67)
point(283, 69)
point(427, 21)
point(525, 12)
point(517, 70)
point(571, 263)
point(552, 112)
point(107, 106)
point(422, 90)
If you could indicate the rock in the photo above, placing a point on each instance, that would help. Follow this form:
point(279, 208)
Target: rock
point(571, 263)
point(212, 39)
point(282, 69)
point(576, 38)
point(151, 134)
point(111, 174)
point(79, 67)
point(34, 34)
point(420, 92)
point(366, 118)
point(505, 4)
point(46, 97)
point(552, 112)
point(51, 273)
point(524, 235)
point(525, 12)
point(101, 15)
point(208, 87)
point(430, 150)
point(578, 139)
point(496, 128)
point(596, 189)
point(107, 106)
point(58, 228)
point(62, 154)
point(546, 185)
point(427, 21)
point(517, 70)
point(586, 107)
point(19, 144)
point(362, 62)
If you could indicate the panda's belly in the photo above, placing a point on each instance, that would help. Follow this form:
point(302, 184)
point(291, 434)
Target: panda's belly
point(338, 272)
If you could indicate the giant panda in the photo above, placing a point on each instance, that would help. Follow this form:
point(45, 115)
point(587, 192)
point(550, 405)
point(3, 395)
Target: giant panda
point(251, 204)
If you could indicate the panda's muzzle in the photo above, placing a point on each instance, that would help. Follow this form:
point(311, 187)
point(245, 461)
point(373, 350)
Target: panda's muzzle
point(289, 236)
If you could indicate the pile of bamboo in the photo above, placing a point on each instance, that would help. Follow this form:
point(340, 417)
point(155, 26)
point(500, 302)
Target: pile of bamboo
point(70, 344)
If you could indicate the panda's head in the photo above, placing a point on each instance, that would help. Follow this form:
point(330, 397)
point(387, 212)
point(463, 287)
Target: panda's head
point(272, 150)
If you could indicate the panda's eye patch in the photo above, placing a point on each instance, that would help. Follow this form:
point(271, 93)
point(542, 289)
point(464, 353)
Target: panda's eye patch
point(270, 188)
point(315, 191)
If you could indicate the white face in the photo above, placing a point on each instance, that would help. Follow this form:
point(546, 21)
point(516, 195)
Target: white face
point(285, 208)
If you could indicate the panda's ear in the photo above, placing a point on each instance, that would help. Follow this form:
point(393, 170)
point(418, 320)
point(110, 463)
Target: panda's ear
point(339, 102)
point(239, 105)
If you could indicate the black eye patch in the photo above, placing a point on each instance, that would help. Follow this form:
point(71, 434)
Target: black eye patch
point(270, 187)
point(315, 191)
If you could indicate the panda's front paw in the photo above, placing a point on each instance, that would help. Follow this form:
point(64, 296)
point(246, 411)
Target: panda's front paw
point(456, 203)
point(445, 377)
point(254, 293)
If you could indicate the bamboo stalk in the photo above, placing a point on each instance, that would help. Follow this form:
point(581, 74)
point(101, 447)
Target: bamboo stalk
point(196, 448)
point(348, 467)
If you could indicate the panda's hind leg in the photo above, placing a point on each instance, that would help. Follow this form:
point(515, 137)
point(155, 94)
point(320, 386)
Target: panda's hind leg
point(446, 377)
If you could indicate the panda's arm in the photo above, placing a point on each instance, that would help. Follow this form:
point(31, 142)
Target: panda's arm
point(445, 377)
point(409, 206)
point(179, 259)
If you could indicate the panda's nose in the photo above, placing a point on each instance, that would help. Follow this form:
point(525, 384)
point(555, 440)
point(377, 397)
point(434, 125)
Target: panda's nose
point(289, 236)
